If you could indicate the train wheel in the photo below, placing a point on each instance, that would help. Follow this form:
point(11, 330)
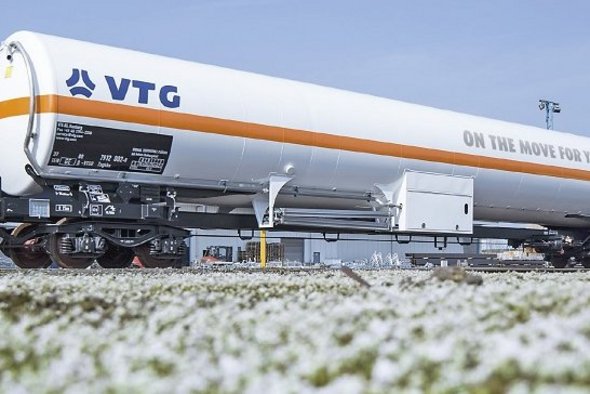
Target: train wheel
point(585, 262)
point(56, 244)
point(559, 261)
point(149, 261)
point(29, 255)
point(116, 257)
point(4, 249)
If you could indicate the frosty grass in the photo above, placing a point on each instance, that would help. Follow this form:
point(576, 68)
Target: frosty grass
point(177, 331)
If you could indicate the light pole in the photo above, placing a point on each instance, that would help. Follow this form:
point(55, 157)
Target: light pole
point(550, 107)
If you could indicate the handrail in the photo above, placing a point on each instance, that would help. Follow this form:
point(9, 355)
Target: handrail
point(13, 47)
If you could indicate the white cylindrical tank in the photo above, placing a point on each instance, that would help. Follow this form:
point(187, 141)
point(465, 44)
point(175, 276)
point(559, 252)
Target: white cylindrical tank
point(110, 114)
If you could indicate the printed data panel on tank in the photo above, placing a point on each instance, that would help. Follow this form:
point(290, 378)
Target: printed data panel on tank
point(94, 147)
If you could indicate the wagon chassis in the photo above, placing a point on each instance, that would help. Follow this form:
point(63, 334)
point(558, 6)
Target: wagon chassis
point(74, 224)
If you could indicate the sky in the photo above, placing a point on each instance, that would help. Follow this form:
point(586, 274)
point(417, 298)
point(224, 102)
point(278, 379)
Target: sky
point(488, 58)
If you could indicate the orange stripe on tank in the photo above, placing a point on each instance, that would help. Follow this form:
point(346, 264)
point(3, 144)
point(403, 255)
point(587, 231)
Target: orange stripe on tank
point(175, 120)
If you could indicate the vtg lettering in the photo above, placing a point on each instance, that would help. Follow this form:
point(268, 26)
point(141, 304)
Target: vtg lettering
point(168, 94)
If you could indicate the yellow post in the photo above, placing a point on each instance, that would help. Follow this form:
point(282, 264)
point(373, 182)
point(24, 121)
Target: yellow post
point(262, 249)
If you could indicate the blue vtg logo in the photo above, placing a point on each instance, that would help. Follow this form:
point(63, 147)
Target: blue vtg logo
point(119, 90)
point(80, 77)
point(80, 83)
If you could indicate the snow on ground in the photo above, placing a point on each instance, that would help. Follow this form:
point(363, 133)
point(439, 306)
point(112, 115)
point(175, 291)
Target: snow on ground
point(153, 331)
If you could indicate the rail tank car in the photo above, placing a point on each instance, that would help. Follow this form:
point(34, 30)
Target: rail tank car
point(107, 153)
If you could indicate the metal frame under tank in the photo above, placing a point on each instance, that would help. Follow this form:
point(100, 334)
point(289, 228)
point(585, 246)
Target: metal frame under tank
point(74, 223)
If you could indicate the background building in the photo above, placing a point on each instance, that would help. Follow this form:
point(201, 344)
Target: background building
point(311, 247)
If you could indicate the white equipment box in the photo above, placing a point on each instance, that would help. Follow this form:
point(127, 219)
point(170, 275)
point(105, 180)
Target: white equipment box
point(435, 203)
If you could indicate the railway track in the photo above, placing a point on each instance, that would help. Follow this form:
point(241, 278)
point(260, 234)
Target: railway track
point(282, 270)
point(493, 269)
